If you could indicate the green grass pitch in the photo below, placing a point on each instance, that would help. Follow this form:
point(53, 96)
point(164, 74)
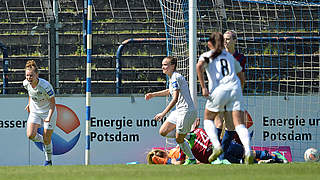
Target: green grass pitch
point(292, 171)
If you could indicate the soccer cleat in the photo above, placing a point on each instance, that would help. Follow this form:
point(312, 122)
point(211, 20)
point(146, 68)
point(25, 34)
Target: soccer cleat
point(217, 161)
point(280, 156)
point(216, 152)
point(225, 161)
point(190, 161)
point(266, 161)
point(47, 163)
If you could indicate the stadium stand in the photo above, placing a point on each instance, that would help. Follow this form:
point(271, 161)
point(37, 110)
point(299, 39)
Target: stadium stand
point(23, 31)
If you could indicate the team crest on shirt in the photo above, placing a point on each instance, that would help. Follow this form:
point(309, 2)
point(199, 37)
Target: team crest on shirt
point(174, 84)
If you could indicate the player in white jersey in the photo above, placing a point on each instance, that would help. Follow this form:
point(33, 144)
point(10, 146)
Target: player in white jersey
point(224, 91)
point(224, 119)
point(41, 108)
point(180, 120)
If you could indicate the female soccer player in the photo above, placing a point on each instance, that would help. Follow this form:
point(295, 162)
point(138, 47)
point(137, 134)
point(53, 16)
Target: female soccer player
point(174, 156)
point(179, 122)
point(223, 93)
point(202, 148)
point(230, 40)
point(41, 108)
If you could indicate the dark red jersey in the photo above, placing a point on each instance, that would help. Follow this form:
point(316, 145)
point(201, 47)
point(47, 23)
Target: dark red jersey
point(241, 59)
point(202, 146)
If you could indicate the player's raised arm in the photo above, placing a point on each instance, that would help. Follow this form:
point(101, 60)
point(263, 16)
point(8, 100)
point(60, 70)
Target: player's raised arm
point(155, 94)
point(172, 103)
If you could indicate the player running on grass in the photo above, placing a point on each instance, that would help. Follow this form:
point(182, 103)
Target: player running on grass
point(179, 121)
point(41, 108)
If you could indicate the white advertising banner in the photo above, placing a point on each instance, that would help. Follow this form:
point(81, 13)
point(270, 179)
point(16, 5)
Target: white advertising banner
point(123, 129)
point(292, 121)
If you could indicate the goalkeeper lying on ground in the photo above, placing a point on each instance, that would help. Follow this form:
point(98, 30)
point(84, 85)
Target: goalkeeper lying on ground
point(201, 148)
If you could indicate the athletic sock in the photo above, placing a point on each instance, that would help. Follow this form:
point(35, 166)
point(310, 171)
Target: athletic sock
point(211, 131)
point(48, 151)
point(226, 140)
point(244, 137)
point(37, 138)
point(186, 149)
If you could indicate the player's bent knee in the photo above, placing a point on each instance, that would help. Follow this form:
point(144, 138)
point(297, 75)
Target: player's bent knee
point(162, 133)
point(180, 140)
point(31, 136)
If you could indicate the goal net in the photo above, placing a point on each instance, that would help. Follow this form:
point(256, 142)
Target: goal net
point(280, 40)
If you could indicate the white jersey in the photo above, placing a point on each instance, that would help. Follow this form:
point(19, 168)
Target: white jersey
point(177, 81)
point(222, 71)
point(39, 96)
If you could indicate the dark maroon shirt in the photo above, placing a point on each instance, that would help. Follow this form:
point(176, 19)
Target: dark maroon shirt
point(202, 148)
point(241, 59)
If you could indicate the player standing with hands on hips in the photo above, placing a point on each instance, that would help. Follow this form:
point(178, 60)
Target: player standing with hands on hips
point(179, 122)
point(224, 91)
point(41, 108)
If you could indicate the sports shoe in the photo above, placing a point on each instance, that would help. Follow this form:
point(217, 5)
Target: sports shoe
point(190, 161)
point(280, 156)
point(47, 163)
point(216, 152)
point(217, 161)
point(266, 161)
point(225, 161)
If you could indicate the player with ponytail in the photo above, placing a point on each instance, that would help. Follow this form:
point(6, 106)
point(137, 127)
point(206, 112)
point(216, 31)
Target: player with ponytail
point(224, 93)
